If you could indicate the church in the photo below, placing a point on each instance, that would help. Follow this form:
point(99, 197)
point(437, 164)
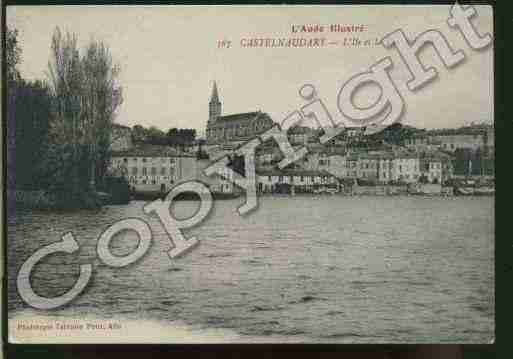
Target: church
point(236, 128)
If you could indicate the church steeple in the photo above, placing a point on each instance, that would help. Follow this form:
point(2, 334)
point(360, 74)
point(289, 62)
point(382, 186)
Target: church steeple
point(214, 106)
point(215, 95)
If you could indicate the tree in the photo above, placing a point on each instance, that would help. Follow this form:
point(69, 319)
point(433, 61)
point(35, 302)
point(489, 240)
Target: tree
point(463, 161)
point(68, 126)
point(12, 55)
point(12, 59)
point(32, 125)
point(86, 95)
point(102, 96)
point(138, 133)
point(156, 136)
point(181, 136)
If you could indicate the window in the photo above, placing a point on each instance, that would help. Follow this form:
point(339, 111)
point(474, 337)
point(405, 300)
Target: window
point(302, 178)
point(134, 171)
point(163, 171)
point(144, 172)
point(154, 171)
point(144, 159)
point(280, 179)
point(171, 160)
point(125, 160)
point(269, 178)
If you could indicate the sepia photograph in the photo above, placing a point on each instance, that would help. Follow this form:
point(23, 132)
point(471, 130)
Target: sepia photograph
point(250, 174)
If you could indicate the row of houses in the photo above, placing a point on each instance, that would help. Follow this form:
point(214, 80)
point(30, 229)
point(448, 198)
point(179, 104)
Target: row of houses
point(379, 166)
point(158, 168)
point(474, 137)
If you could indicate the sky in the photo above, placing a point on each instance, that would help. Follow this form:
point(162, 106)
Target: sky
point(169, 58)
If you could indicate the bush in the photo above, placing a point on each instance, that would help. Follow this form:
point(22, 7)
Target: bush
point(118, 188)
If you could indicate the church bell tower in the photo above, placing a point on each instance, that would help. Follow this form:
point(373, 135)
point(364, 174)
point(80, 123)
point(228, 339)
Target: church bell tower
point(214, 106)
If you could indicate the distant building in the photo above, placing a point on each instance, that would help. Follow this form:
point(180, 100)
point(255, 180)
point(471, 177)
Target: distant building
point(472, 137)
point(422, 141)
point(301, 135)
point(236, 128)
point(454, 141)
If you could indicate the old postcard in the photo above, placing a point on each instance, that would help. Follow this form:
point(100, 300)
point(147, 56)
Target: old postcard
point(250, 174)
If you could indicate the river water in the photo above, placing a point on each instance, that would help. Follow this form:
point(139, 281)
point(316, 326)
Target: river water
point(315, 269)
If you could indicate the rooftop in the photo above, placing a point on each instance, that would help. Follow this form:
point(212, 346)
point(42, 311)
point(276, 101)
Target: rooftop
point(119, 126)
point(238, 117)
point(146, 150)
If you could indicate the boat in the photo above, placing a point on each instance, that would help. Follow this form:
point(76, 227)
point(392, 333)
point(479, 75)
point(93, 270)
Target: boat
point(484, 191)
point(463, 191)
point(474, 191)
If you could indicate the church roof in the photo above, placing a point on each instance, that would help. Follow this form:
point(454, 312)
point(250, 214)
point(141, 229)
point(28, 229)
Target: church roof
point(240, 117)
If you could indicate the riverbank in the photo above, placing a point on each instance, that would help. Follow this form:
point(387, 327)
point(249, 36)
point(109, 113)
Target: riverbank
point(44, 200)
point(114, 190)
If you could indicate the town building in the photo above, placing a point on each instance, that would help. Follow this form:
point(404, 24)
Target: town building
point(352, 166)
point(295, 181)
point(473, 137)
point(301, 135)
point(153, 168)
point(368, 167)
point(405, 167)
point(422, 141)
point(236, 128)
point(385, 164)
point(216, 183)
point(431, 170)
